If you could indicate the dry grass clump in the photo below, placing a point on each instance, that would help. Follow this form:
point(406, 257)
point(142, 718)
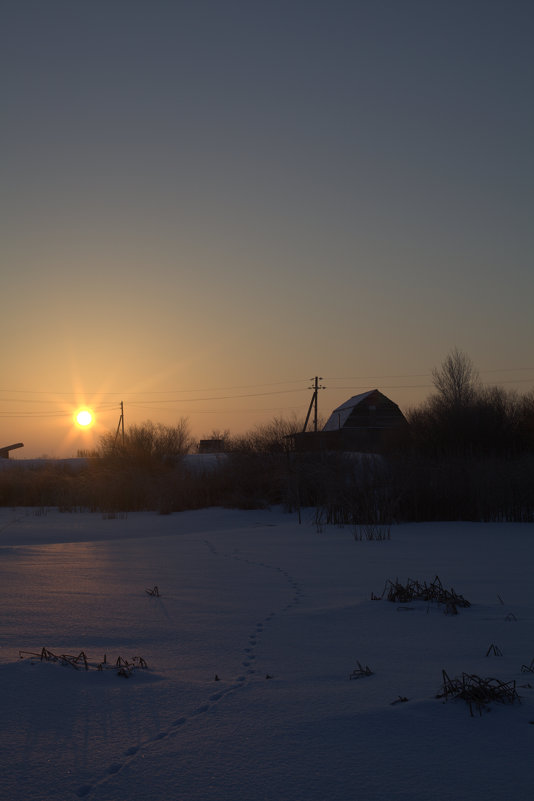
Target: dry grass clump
point(478, 692)
point(124, 667)
point(413, 590)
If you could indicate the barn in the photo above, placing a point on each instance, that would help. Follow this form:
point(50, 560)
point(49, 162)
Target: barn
point(369, 422)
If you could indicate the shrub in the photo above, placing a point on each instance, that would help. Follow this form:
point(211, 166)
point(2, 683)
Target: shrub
point(148, 445)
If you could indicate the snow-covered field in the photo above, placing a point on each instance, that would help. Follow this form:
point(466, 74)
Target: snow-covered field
point(245, 596)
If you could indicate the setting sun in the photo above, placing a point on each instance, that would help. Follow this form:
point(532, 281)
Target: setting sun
point(84, 418)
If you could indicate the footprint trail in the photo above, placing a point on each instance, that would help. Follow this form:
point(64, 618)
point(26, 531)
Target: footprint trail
point(247, 663)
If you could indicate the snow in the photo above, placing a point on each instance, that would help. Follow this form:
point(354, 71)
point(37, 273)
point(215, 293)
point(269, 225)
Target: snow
point(243, 596)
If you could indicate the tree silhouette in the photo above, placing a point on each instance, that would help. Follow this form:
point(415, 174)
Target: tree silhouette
point(456, 380)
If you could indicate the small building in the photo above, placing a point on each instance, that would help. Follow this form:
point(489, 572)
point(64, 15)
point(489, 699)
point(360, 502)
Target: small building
point(369, 423)
point(216, 445)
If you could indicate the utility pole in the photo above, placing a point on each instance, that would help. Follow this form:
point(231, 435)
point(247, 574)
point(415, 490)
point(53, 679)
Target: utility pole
point(120, 427)
point(313, 405)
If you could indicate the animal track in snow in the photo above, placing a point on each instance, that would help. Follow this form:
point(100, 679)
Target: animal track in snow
point(131, 753)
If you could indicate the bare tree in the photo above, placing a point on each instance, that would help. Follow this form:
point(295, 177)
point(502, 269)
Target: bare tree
point(272, 437)
point(456, 380)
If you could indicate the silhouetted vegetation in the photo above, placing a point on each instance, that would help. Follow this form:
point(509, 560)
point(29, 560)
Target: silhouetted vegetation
point(469, 456)
point(149, 445)
point(471, 451)
point(464, 419)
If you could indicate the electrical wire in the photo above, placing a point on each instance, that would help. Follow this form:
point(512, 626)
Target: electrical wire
point(148, 401)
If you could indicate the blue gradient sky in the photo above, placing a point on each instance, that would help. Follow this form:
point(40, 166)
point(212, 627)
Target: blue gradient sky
point(205, 200)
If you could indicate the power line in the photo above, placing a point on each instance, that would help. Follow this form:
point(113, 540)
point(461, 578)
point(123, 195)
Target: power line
point(145, 402)
point(423, 375)
point(132, 394)
point(221, 397)
point(241, 410)
point(428, 386)
point(156, 392)
point(386, 386)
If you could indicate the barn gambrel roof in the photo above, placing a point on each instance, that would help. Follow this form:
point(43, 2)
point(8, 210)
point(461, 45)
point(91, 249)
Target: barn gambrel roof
point(339, 416)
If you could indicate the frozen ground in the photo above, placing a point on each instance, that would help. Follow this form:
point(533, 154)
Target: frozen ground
point(246, 595)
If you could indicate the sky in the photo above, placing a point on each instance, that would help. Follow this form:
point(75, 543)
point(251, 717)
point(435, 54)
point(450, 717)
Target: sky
point(206, 204)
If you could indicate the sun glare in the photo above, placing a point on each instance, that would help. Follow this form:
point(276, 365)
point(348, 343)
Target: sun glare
point(84, 418)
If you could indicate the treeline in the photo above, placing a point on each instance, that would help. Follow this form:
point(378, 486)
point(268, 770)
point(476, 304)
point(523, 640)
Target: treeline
point(470, 451)
point(463, 418)
point(468, 454)
point(344, 489)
